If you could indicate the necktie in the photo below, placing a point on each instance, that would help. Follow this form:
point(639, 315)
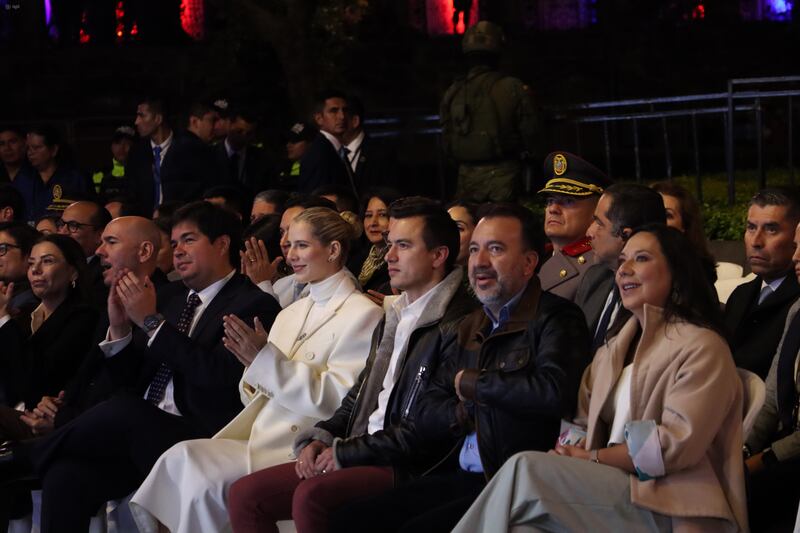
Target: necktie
point(602, 326)
point(787, 384)
point(765, 292)
point(156, 176)
point(159, 384)
point(344, 152)
point(233, 163)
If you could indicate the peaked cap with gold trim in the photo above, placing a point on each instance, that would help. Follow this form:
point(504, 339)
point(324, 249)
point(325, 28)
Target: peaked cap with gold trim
point(568, 174)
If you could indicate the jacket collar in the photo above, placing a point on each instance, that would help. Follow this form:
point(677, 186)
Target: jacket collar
point(437, 307)
point(524, 312)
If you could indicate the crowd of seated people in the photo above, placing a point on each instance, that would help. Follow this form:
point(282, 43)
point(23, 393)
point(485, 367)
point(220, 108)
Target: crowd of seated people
point(221, 352)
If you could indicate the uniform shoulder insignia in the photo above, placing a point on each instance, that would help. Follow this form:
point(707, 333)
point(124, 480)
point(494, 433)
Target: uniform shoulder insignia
point(578, 247)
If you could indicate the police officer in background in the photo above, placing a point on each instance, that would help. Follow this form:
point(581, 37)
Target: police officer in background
point(489, 125)
point(572, 190)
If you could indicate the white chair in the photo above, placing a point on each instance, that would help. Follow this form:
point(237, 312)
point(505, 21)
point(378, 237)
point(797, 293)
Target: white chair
point(755, 392)
point(726, 286)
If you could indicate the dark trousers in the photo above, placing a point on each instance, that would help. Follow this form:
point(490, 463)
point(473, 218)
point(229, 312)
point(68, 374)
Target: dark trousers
point(256, 502)
point(429, 504)
point(102, 455)
point(11, 427)
point(774, 495)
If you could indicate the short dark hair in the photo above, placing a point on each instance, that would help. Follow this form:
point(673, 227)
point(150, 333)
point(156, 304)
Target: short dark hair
point(231, 195)
point(128, 206)
point(440, 229)
point(356, 107)
point(11, 197)
point(779, 196)
point(245, 113)
point(276, 197)
point(532, 238)
point(100, 217)
point(267, 229)
point(50, 134)
point(345, 201)
point(157, 104)
point(472, 208)
point(323, 96)
point(307, 202)
point(633, 205)
point(23, 235)
point(387, 195)
point(14, 128)
point(213, 221)
point(198, 109)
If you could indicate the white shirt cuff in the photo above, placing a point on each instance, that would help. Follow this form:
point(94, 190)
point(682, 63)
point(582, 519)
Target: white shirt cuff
point(154, 333)
point(111, 348)
point(266, 286)
point(4, 320)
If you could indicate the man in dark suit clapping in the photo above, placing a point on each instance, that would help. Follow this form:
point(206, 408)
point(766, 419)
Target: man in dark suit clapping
point(184, 384)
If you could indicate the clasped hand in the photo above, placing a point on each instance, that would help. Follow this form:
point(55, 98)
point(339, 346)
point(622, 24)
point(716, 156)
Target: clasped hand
point(241, 340)
point(315, 459)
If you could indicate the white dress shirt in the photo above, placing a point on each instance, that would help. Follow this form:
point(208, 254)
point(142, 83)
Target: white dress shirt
point(111, 348)
point(337, 145)
point(354, 150)
point(409, 315)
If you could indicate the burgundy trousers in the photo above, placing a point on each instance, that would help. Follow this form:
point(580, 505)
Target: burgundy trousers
point(256, 502)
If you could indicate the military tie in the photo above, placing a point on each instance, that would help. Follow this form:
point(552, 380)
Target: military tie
point(156, 176)
point(159, 384)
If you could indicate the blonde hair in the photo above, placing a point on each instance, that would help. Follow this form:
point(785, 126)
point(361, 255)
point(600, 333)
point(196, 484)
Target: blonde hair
point(328, 226)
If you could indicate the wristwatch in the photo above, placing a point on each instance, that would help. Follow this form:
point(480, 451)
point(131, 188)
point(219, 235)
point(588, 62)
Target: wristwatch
point(593, 456)
point(151, 322)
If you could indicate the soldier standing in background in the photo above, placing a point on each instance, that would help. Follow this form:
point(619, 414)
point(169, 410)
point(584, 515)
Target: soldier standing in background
point(489, 126)
point(572, 190)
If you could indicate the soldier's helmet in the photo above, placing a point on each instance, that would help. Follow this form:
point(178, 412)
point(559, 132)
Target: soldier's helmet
point(483, 37)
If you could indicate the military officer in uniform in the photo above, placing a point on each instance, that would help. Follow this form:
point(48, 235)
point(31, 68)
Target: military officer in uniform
point(489, 124)
point(572, 190)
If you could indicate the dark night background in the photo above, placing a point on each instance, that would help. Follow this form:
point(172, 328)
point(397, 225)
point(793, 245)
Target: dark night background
point(86, 69)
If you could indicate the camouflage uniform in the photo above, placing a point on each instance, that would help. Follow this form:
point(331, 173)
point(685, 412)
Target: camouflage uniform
point(489, 124)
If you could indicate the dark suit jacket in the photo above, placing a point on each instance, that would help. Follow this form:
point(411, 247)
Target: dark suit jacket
point(593, 292)
point(253, 175)
point(92, 383)
point(97, 286)
point(755, 330)
point(205, 374)
point(376, 166)
point(41, 364)
point(321, 165)
point(188, 168)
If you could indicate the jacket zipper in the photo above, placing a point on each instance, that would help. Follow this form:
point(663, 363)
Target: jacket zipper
point(414, 390)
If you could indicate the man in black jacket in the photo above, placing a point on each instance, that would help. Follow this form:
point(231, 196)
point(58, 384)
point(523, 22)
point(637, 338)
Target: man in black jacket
point(184, 383)
point(350, 455)
point(756, 311)
point(168, 166)
point(503, 387)
point(323, 162)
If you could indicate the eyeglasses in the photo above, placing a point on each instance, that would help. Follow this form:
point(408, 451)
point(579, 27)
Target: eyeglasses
point(72, 226)
point(4, 247)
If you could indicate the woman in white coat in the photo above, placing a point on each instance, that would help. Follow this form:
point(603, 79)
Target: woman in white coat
point(294, 378)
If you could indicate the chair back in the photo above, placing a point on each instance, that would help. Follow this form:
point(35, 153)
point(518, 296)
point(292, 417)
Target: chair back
point(755, 392)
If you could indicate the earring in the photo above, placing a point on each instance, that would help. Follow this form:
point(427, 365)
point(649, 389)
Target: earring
point(73, 283)
point(330, 260)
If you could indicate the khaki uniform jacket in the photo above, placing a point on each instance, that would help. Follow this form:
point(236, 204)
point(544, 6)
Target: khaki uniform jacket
point(684, 380)
point(562, 273)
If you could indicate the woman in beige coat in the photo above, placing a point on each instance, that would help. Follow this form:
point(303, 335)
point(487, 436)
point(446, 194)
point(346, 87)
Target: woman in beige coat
point(315, 351)
point(662, 405)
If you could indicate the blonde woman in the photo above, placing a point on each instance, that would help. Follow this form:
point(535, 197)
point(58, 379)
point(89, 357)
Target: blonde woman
point(295, 377)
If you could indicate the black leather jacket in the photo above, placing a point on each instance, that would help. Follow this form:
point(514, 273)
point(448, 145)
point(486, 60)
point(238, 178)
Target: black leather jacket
point(518, 381)
point(391, 446)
